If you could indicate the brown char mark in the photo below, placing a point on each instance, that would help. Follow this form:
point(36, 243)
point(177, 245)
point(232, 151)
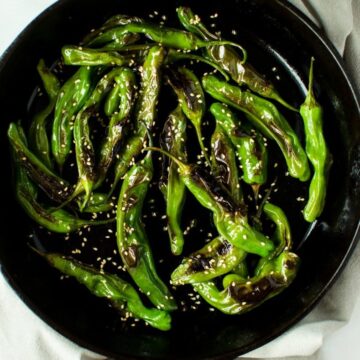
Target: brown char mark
point(198, 263)
point(50, 185)
point(223, 171)
point(257, 291)
point(210, 185)
point(131, 256)
point(186, 86)
point(223, 248)
point(38, 209)
point(130, 202)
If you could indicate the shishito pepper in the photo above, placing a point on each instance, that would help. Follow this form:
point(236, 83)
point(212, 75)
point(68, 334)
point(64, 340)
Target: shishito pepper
point(38, 138)
point(59, 221)
point(281, 236)
point(116, 290)
point(223, 163)
point(114, 21)
point(145, 112)
point(250, 148)
point(173, 139)
point(120, 105)
point(53, 186)
point(80, 56)
point(229, 60)
point(191, 99)
point(242, 295)
point(71, 98)
point(264, 116)
point(316, 150)
point(84, 149)
point(230, 219)
point(132, 241)
point(272, 275)
point(169, 37)
point(216, 258)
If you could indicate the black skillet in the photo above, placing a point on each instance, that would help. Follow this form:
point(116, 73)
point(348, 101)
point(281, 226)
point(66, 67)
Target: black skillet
point(276, 36)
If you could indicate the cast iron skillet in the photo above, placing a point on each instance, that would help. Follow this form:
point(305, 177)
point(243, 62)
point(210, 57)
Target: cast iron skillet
point(275, 34)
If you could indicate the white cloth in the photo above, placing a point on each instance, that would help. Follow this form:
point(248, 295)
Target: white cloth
point(24, 336)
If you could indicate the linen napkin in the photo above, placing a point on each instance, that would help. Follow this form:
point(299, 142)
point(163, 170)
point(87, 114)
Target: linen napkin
point(25, 336)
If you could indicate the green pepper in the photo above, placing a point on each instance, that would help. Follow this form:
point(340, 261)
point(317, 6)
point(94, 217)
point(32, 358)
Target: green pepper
point(229, 60)
point(132, 241)
point(191, 99)
point(250, 149)
point(224, 163)
point(116, 20)
point(173, 139)
point(174, 55)
point(54, 187)
point(230, 219)
point(281, 236)
point(38, 138)
point(58, 221)
point(126, 85)
point(242, 295)
point(121, 294)
point(145, 112)
point(216, 258)
point(169, 37)
point(138, 52)
point(98, 203)
point(317, 152)
point(72, 97)
point(21, 176)
point(80, 56)
point(265, 116)
point(84, 149)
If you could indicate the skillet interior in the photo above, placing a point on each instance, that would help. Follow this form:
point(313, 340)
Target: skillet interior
point(275, 35)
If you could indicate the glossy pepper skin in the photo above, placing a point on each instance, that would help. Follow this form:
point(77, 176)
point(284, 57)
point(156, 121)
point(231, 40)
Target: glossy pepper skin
point(224, 165)
point(80, 56)
point(281, 236)
point(169, 37)
point(317, 152)
point(250, 149)
point(119, 292)
point(84, 149)
point(173, 139)
point(38, 138)
point(242, 295)
point(191, 99)
point(59, 221)
point(229, 60)
point(132, 241)
point(114, 21)
point(230, 219)
point(145, 112)
point(216, 258)
point(124, 91)
point(72, 97)
point(98, 203)
point(54, 187)
point(174, 55)
point(265, 116)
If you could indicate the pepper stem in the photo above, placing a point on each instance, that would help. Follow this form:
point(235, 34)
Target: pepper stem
point(311, 76)
point(230, 43)
point(202, 146)
point(183, 167)
point(178, 56)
